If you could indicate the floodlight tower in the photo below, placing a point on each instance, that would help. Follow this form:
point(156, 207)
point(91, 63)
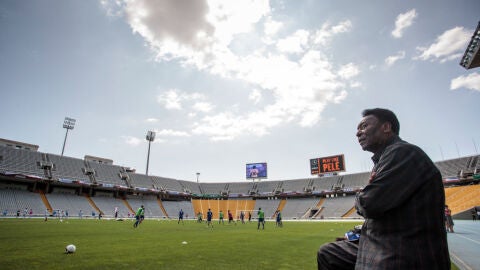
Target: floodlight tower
point(68, 124)
point(198, 174)
point(150, 138)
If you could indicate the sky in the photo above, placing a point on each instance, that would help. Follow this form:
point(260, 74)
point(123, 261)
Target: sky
point(226, 83)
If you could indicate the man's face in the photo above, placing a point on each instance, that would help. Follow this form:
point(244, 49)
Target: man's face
point(370, 133)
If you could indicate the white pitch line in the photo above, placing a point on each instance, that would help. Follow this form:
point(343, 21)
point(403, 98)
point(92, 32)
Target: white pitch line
point(465, 266)
point(475, 241)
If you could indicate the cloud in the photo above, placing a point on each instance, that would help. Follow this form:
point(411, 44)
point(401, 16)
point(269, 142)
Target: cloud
point(113, 8)
point(271, 27)
point(348, 71)
point(294, 43)
point(255, 96)
point(180, 21)
point(130, 140)
point(170, 99)
point(228, 126)
point(202, 106)
point(339, 98)
point(448, 46)
point(394, 58)
point(294, 67)
point(151, 120)
point(134, 141)
point(355, 84)
point(404, 20)
point(471, 81)
point(325, 34)
point(174, 99)
point(172, 133)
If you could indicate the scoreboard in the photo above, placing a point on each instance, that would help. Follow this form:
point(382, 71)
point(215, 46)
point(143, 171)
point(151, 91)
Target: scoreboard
point(327, 164)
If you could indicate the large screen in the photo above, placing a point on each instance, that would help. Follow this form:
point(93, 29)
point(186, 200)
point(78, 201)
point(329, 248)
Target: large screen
point(327, 164)
point(256, 170)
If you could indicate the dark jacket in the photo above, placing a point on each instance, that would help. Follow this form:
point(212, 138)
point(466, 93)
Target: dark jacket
point(403, 206)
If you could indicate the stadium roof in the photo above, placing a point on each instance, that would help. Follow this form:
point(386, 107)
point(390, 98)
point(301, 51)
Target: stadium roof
point(471, 58)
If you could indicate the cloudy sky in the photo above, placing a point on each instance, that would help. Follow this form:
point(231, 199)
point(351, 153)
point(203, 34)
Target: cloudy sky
point(225, 83)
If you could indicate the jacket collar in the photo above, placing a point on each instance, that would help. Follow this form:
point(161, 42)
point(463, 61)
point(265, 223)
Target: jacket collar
point(376, 156)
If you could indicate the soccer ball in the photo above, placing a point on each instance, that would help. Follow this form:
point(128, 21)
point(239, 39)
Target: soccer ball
point(70, 248)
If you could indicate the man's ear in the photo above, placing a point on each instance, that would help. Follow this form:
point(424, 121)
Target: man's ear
point(387, 127)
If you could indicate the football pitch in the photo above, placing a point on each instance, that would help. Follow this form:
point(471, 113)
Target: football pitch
point(162, 244)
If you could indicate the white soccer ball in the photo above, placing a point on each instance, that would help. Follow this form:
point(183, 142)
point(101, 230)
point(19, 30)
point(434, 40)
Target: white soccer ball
point(70, 248)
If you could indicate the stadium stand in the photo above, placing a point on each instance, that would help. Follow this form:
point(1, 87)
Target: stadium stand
point(106, 174)
point(294, 185)
point(104, 202)
point(240, 187)
point(235, 206)
point(454, 167)
point(325, 183)
point(190, 187)
point(17, 198)
point(140, 180)
point(67, 200)
point(356, 180)
point(214, 188)
point(162, 183)
point(152, 207)
point(268, 206)
point(173, 208)
point(462, 199)
point(20, 160)
point(268, 188)
point(37, 180)
point(337, 206)
point(296, 208)
point(69, 168)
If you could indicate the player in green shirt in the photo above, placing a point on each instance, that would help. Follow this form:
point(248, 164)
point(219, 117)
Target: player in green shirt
point(139, 216)
point(261, 219)
point(220, 217)
point(199, 217)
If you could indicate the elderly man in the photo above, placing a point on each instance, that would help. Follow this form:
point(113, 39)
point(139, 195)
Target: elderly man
point(402, 205)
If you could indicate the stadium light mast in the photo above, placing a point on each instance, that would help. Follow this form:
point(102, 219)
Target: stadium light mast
point(68, 124)
point(198, 174)
point(150, 138)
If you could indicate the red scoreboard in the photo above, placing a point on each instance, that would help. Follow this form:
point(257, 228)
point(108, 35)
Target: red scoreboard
point(327, 164)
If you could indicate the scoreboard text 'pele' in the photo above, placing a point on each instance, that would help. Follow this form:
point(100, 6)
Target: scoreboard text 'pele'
point(327, 164)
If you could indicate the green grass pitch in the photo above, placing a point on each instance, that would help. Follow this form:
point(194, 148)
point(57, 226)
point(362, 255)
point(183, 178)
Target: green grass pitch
point(157, 244)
